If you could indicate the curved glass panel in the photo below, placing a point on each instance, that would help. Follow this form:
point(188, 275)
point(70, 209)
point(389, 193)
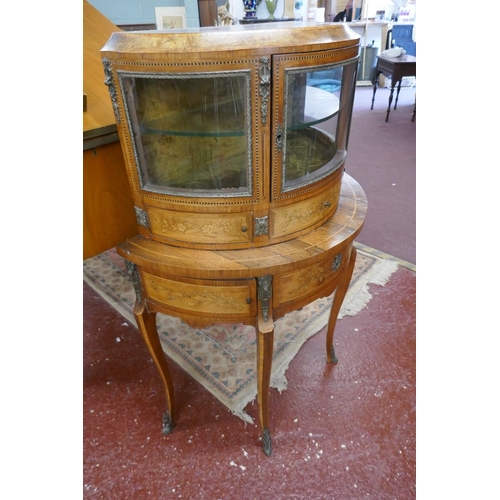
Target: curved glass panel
point(191, 132)
point(316, 119)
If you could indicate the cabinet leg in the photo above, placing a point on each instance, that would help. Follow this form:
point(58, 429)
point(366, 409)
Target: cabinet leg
point(146, 321)
point(265, 342)
point(338, 298)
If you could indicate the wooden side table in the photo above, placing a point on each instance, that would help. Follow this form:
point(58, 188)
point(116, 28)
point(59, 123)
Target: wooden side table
point(252, 286)
point(396, 68)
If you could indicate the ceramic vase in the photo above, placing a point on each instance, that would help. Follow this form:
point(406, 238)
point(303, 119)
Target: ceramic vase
point(271, 7)
point(250, 7)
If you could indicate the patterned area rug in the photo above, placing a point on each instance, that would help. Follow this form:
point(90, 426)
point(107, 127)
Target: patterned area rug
point(223, 358)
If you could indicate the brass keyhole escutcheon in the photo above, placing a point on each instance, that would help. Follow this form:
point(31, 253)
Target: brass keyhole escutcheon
point(279, 138)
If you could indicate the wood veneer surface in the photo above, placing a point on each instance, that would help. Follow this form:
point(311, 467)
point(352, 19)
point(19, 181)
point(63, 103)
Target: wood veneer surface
point(96, 31)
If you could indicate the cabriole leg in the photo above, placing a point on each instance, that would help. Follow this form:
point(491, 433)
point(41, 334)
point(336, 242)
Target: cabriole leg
point(265, 341)
point(146, 322)
point(265, 344)
point(338, 298)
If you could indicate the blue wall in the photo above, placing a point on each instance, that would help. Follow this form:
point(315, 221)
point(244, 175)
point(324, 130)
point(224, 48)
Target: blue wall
point(143, 11)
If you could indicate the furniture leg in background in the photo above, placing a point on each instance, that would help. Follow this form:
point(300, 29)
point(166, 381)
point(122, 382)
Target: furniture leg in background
point(396, 68)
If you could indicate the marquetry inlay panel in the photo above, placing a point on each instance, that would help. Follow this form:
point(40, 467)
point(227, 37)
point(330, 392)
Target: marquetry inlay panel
point(293, 218)
point(304, 281)
point(221, 298)
point(200, 227)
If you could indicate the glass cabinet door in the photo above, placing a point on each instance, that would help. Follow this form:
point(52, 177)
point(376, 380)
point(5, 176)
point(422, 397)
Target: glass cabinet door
point(191, 131)
point(316, 119)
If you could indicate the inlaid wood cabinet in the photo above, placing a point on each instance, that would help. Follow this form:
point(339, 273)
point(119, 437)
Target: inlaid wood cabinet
point(235, 140)
point(234, 137)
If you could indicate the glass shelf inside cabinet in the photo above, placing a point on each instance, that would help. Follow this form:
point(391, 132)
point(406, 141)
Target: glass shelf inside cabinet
point(320, 105)
point(191, 132)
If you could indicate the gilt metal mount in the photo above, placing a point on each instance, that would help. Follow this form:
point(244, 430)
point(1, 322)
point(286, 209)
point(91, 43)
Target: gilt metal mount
point(109, 81)
point(267, 445)
point(336, 262)
point(261, 225)
point(167, 424)
point(136, 280)
point(265, 82)
point(142, 217)
point(264, 293)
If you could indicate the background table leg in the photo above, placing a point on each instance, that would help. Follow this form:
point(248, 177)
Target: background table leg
point(390, 102)
point(375, 85)
point(338, 298)
point(397, 94)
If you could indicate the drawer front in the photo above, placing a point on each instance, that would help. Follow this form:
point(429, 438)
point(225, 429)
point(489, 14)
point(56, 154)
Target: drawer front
point(201, 228)
point(303, 282)
point(220, 298)
point(299, 216)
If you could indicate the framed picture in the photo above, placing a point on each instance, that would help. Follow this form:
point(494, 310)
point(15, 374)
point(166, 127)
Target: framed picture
point(168, 18)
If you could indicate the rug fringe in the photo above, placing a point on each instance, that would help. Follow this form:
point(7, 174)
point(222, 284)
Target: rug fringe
point(362, 296)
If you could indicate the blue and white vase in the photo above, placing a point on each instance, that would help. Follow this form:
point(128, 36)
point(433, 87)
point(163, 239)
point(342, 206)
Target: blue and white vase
point(250, 8)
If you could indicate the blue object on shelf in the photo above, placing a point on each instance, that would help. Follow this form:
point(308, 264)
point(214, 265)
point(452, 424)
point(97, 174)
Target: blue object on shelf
point(328, 80)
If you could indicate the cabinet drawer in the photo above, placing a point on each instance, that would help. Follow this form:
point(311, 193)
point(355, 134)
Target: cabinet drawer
point(218, 298)
point(188, 227)
point(300, 283)
point(299, 216)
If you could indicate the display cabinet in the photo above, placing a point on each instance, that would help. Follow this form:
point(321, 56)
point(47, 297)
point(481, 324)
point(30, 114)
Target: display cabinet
point(234, 137)
point(235, 140)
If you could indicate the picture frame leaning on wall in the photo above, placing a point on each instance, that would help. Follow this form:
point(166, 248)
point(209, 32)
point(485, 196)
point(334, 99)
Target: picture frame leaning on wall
point(168, 18)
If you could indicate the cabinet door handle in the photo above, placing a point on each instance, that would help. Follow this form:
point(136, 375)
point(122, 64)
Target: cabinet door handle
point(327, 204)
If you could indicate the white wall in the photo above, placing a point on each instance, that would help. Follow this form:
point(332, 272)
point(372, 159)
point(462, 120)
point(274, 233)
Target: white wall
point(143, 11)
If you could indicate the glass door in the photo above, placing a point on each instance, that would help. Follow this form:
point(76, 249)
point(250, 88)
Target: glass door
point(191, 131)
point(311, 136)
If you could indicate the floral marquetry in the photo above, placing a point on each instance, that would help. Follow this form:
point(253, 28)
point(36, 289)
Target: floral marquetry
point(206, 228)
point(198, 297)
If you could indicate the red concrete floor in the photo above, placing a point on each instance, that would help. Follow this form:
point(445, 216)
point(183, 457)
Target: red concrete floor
point(344, 432)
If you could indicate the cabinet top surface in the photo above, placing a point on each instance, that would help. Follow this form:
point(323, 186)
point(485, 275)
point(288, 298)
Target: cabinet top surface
point(270, 38)
point(340, 229)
